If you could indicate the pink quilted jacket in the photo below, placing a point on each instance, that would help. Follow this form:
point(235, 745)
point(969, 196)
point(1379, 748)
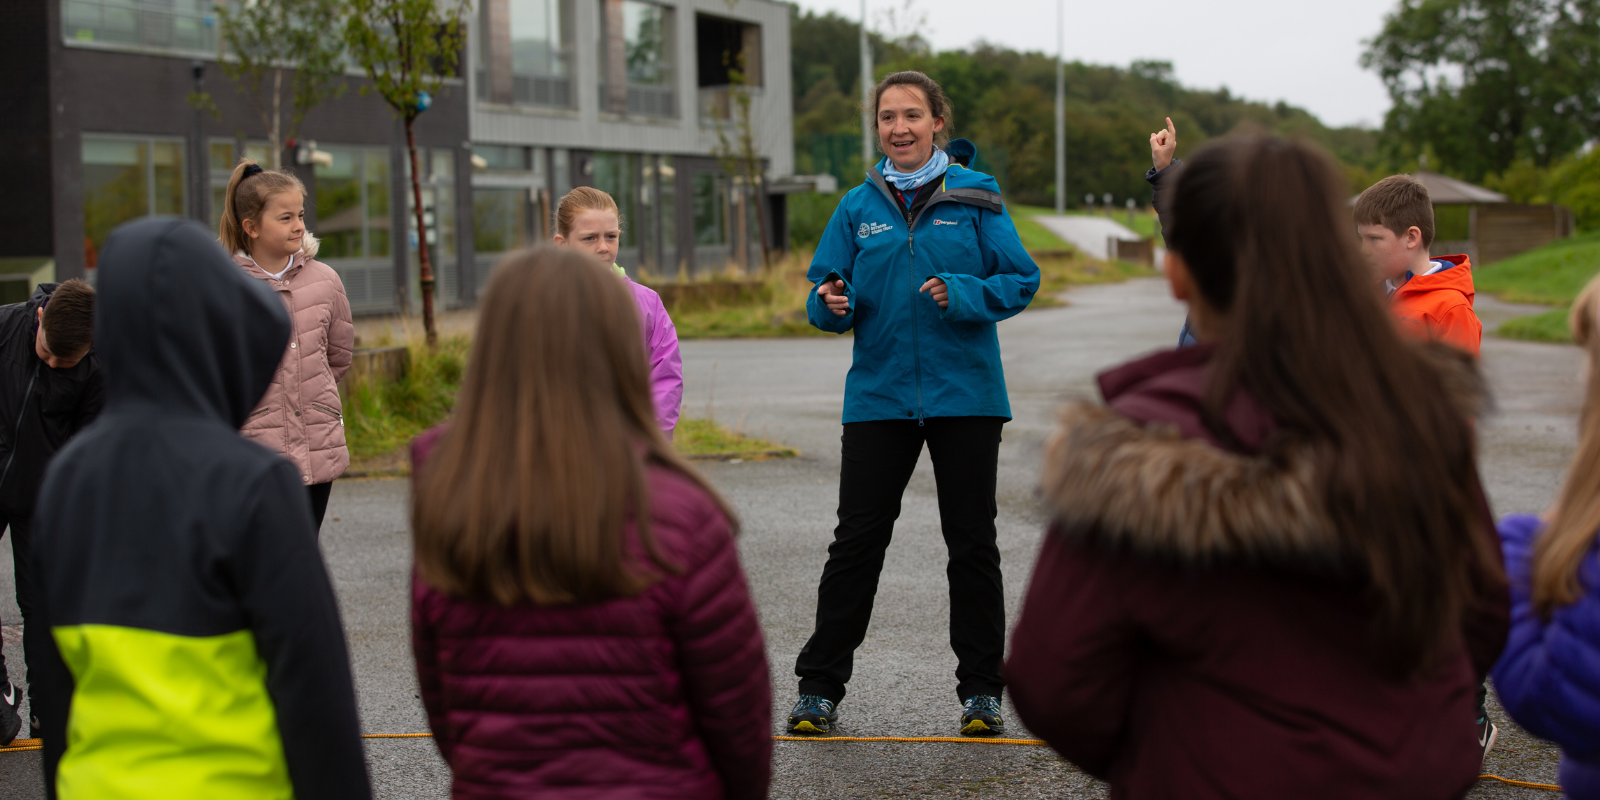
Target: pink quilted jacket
point(300, 416)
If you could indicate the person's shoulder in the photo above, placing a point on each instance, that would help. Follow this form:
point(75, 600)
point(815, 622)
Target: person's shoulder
point(323, 272)
point(644, 294)
point(680, 503)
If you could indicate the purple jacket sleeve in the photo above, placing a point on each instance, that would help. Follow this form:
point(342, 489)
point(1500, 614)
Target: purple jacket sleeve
point(661, 348)
point(724, 662)
point(1548, 678)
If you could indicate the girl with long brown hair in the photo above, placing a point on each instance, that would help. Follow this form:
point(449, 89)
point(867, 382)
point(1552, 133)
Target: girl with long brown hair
point(1549, 677)
point(1271, 570)
point(581, 622)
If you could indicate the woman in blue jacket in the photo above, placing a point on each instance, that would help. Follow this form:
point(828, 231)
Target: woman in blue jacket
point(1548, 676)
point(920, 261)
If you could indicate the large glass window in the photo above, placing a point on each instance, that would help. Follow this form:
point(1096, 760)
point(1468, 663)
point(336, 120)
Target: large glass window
point(179, 25)
point(524, 54)
point(126, 178)
point(638, 58)
point(439, 214)
point(353, 221)
point(353, 203)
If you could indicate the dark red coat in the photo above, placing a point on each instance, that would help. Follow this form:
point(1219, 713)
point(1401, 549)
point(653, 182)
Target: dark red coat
point(662, 695)
point(1176, 639)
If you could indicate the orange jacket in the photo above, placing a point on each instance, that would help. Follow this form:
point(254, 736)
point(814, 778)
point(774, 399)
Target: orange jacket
point(1439, 306)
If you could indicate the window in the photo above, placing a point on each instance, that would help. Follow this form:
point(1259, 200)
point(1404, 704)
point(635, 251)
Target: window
point(179, 25)
point(439, 213)
point(524, 54)
point(722, 46)
point(636, 51)
point(125, 178)
point(353, 221)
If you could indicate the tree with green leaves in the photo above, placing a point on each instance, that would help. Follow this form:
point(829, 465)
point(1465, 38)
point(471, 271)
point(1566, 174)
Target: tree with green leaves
point(265, 42)
point(408, 48)
point(1484, 83)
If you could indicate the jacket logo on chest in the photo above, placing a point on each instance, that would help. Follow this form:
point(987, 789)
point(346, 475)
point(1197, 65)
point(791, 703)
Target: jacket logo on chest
point(945, 222)
point(870, 228)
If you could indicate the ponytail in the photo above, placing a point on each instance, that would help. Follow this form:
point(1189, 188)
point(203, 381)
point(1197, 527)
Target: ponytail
point(249, 188)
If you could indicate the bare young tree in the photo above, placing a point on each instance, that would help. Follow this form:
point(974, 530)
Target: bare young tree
point(738, 156)
point(408, 48)
point(266, 42)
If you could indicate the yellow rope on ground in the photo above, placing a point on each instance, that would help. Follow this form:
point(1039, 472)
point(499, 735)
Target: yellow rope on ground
point(1550, 787)
point(21, 745)
point(961, 739)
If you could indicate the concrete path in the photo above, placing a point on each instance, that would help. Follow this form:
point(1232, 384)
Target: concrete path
point(1088, 234)
point(791, 391)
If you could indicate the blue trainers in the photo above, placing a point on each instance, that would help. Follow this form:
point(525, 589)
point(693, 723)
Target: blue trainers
point(981, 716)
point(813, 714)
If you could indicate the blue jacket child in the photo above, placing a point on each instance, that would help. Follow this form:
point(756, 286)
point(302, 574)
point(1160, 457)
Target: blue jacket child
point(912, 358)
point(1548, 677)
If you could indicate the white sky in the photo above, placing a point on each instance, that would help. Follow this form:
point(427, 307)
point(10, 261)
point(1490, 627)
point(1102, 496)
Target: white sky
point(1305, 53)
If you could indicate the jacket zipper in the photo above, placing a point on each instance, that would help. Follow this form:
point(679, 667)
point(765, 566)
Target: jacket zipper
point(911, 244)
point(16, 432)
point(330, 412)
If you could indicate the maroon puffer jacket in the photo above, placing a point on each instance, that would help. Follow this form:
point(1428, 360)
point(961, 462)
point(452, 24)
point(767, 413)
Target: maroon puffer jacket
point(662, 695)
point(1184, 634)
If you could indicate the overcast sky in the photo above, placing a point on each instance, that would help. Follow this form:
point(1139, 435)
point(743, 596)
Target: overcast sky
point(1305, 53)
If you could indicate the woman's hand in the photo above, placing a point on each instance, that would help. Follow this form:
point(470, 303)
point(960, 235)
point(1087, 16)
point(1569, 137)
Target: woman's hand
point(1162, 145)
point(938, 291)
point(832, 293)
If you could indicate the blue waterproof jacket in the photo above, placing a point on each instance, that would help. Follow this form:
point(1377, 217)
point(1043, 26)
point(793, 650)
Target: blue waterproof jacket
point(1548, 677)
point(913, 359)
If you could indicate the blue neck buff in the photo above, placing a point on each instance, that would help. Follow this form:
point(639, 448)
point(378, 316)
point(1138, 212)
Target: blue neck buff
point(907, 181)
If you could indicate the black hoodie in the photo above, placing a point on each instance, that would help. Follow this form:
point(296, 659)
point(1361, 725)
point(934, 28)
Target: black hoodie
point(197, 649)
point(40, 408)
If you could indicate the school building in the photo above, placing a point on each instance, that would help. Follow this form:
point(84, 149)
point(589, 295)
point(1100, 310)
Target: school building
point(626, 95)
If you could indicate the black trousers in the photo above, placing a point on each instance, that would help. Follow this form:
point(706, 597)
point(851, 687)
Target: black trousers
point(319, 501)
point(21, 528)
point(879, 458)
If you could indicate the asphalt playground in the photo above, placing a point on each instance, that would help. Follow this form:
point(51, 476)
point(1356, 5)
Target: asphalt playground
point(791, 391)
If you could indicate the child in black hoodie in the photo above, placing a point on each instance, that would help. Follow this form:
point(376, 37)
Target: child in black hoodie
point(196, 649)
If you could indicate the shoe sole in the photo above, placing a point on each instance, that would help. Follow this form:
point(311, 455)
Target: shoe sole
point(977, 727)
point(1494, 736)
point(805, 726)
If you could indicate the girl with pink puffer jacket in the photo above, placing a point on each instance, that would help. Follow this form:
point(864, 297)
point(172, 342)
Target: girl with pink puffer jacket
point(263, 225)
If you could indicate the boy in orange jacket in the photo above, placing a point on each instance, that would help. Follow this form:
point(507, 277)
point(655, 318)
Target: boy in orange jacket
point(1431, 298)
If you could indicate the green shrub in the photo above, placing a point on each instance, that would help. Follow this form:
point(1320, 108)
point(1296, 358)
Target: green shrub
point(382, 418)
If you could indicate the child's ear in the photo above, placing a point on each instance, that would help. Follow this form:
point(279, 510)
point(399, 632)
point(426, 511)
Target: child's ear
point(1178, 278)
point(1413, 237)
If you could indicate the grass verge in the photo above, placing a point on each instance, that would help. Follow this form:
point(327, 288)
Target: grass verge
point(381, 420)
point(775, 308)
point(1059, 272)
point(705, 440)
point(1550, 326)
point(1550, 275)
point(1144, 221)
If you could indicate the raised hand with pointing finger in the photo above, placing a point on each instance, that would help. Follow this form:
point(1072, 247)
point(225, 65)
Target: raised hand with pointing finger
point(1162, 145)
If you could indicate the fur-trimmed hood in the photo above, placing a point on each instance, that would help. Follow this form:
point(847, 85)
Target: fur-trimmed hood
point(1148, 490)
point(1144, 475)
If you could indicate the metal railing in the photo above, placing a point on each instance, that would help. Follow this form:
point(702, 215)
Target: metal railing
point(532, 90)
point(121, 22)
point(644, 100)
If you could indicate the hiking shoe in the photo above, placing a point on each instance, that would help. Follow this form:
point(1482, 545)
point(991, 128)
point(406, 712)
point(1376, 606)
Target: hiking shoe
point(10, 720)
point(982, 716)
point(813, 714)
point(1487, 734)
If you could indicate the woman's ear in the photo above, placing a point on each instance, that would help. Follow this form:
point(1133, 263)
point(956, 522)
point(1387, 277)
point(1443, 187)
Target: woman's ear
point(1178, 278)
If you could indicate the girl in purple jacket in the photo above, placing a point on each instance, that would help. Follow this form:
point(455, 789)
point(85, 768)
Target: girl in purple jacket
point(1549, 675)
point(581, 624)
point(588, 219)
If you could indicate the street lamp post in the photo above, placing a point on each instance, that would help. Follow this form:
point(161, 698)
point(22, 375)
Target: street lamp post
point(1061, 107)
point(866, 93)
point(200, 174)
